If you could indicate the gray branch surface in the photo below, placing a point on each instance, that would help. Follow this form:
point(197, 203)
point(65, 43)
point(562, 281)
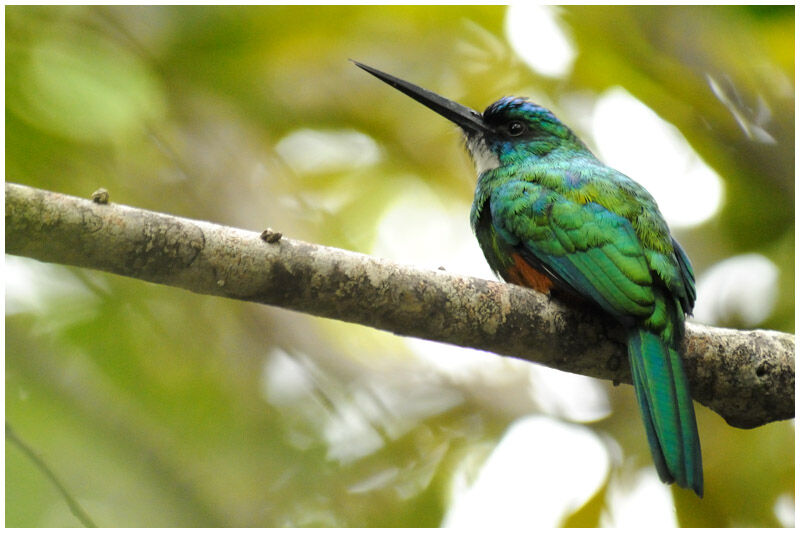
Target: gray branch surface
point(745, 376)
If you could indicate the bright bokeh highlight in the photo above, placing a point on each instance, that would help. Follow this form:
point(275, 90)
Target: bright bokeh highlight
point(309, 151)
point(540, 41)
point(639, 503)
point(541, 471)
point(631, 138)
point(742, 289)
point(420, 228)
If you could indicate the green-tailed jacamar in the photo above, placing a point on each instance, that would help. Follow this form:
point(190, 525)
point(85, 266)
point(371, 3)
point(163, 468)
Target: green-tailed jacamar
point(550, 216)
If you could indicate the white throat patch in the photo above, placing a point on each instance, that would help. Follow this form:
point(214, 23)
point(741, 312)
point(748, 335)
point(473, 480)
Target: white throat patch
point(483, 158)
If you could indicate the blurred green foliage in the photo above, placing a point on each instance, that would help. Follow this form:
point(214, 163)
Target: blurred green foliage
point(158, 407)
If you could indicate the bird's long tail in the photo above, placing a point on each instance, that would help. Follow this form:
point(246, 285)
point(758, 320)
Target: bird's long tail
point(666, 405)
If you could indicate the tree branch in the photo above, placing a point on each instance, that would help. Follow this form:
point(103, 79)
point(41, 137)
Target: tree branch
point(745, 376)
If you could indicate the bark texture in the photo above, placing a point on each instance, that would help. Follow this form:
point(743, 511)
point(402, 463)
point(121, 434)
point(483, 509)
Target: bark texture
point(745, 376)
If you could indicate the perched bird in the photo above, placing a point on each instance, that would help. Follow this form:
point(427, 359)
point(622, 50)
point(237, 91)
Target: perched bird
point(550, 216)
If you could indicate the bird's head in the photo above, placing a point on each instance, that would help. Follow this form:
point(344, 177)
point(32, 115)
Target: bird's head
point(508, 130)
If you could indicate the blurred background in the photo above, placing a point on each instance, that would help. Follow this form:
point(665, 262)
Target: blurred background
point(158, 407)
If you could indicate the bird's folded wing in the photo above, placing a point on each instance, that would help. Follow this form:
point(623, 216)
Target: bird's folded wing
point(595, 252)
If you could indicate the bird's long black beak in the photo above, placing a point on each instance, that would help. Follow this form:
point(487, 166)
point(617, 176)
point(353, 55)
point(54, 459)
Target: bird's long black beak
point(468, 119)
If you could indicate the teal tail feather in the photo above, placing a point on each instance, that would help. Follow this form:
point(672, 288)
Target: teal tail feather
point(666, 405)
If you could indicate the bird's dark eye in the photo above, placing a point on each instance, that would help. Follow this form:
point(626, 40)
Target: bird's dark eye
point(516, 128)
